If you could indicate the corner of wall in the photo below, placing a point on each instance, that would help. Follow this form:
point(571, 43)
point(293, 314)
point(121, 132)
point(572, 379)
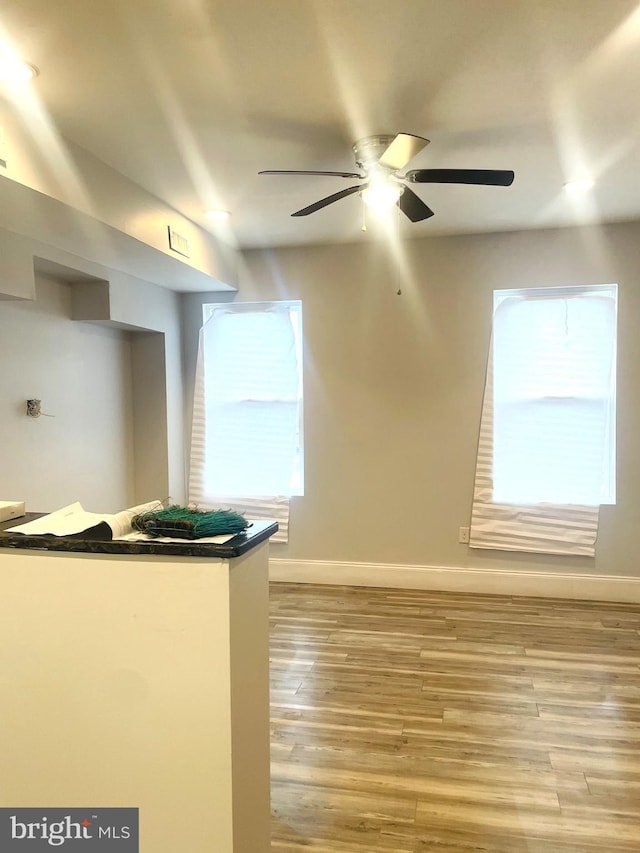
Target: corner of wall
point(17, 279)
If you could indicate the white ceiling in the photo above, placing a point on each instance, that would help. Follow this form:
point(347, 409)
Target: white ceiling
point(191, 98)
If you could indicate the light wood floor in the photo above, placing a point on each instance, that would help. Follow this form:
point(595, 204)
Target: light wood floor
point(412, 721)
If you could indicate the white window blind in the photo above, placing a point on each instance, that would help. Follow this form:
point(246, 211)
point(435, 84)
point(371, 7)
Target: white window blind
point(247, 449)
point(554, 396)
point(546, 457)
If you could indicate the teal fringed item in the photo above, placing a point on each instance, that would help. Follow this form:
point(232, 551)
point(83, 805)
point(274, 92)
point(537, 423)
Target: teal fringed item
point(189, 523)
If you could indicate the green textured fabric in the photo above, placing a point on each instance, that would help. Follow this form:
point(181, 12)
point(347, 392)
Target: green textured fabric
point(189, 523)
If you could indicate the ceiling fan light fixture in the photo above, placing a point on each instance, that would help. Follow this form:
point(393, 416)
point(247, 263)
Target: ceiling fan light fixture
point(381, 195)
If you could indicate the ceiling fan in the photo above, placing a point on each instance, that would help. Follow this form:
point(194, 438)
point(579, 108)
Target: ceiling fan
point(381, 158)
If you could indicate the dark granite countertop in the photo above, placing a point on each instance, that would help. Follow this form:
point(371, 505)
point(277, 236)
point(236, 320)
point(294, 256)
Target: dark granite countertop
point(234, 547)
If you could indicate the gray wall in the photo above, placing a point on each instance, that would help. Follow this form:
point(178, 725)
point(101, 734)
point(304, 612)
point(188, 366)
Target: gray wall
point(107, 238)
point(100, 300)
point(394, 384)
point(82, 374)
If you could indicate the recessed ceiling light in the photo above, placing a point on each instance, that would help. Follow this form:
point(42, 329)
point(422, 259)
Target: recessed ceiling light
point(580, 185)
point(217, 215)
point(16, 71)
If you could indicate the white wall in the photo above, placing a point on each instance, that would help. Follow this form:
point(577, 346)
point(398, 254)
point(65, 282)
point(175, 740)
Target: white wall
point(82, 373)
point(38, 158)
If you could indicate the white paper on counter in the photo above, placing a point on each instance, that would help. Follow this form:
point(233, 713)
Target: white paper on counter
point(74, 519)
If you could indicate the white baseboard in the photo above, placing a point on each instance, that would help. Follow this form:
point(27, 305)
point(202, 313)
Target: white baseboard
point(453, 579)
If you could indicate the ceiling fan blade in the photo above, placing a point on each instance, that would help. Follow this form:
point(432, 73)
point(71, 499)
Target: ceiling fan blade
point(318, 205)
point(485, 177)
point(305, 172)
point(403, 148)
point(413, 207)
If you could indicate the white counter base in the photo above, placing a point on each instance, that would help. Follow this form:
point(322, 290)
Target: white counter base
point(139, 681)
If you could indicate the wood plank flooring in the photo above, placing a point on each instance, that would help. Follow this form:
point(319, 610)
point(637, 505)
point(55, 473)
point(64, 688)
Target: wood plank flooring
point(413, 721)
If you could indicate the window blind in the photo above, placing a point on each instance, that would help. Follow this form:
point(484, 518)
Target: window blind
point(546, 454)
point(246, 436)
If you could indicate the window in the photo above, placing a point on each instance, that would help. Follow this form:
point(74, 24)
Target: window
point(546, 449)
point(554, 359)
point(248, 435)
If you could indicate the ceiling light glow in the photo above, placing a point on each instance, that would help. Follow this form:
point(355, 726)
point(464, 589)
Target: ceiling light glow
point(16, 71)
point(579, 185)
point(381, 195)
point(217, 215)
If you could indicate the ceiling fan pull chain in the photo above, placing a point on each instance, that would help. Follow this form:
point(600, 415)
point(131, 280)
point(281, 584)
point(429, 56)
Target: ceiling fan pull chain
point(364, 216)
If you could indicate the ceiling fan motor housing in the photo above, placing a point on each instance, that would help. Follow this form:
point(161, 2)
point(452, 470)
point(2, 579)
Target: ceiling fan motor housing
point(367, 151)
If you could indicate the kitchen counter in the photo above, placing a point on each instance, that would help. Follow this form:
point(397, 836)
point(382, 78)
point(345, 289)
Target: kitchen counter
point(136, 675)
point(259, 532)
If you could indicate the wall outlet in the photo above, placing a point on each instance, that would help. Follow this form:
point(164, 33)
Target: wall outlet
point(34, 408)
point(463, 535)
